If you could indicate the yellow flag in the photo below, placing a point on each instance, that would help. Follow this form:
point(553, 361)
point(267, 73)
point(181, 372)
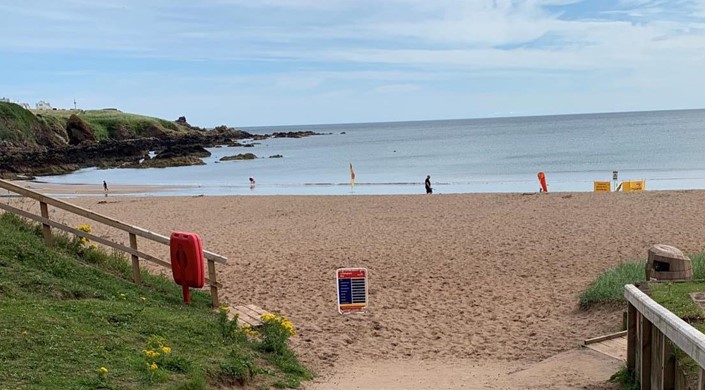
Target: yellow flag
point(352, 176)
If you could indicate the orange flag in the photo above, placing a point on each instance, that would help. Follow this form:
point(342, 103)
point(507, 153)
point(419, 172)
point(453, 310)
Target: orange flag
point(352, 176)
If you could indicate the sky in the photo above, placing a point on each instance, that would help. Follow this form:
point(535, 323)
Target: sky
point(284, 62)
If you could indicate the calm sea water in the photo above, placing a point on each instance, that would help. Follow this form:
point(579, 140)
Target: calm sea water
point(665, 148)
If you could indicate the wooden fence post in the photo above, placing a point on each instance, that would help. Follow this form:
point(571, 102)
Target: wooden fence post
point(136, 277)
point(701, 379)
point(669, 364)
point(631, 339)
point(213, 283)
point(657, 358)
point(645, 374)
point(46, 229)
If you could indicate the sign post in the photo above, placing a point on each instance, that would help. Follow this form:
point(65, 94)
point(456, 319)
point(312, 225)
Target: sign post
point(614, 179)
point(352, 289)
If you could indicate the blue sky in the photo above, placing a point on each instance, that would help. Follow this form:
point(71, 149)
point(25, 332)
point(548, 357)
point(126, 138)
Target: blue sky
point(269, 62)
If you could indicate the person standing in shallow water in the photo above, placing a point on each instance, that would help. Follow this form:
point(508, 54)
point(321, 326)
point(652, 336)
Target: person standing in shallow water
point(429, 190)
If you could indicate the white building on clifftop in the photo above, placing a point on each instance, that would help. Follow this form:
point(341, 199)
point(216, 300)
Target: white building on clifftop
point(42, 105)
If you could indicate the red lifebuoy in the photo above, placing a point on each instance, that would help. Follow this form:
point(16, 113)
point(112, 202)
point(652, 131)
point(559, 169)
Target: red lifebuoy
point(187, 262)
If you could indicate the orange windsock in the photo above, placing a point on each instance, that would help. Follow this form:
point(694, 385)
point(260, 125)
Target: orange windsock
point(542, 180)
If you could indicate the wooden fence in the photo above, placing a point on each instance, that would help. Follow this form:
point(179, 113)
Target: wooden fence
point(132, 231)
point(652, 331)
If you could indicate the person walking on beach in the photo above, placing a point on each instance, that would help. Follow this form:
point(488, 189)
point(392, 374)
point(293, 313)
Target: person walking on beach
point(105, 186)
point(429, 190)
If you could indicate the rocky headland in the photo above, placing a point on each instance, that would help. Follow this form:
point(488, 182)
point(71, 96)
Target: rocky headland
point(58, 142)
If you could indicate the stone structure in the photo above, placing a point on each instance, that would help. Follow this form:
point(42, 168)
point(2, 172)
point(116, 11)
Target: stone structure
point(668, 263)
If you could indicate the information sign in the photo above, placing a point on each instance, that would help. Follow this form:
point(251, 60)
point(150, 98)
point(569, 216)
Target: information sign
point(352, 289)
point(601, 186)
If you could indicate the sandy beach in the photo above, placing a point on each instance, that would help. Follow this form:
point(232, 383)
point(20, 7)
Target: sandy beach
point(487, 284)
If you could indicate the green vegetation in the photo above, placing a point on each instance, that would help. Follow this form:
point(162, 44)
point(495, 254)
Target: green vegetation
point(675, 297)
point(609, 287)
point(624, 380)
point(114, 124)
point(20, 127)
point(72, 319)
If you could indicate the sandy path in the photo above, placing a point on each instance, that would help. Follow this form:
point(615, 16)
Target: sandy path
point(468, 278)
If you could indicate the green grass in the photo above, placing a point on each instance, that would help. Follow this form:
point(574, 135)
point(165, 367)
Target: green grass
point(609, 286)
point(624, 380)
point(67, 311)
point(105, 123)
point(17, 124)
point(675, 297)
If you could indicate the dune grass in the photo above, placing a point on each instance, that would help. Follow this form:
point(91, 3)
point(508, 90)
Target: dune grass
point(70, 318)
point(609, 286)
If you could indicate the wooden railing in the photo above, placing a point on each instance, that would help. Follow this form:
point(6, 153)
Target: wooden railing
point(652, 331)
point(132, 231)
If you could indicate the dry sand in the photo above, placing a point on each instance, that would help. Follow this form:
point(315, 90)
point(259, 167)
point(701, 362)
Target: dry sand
point(485, 283)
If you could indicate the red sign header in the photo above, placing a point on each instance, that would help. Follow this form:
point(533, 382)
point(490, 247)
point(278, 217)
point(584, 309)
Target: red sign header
point(355, 273)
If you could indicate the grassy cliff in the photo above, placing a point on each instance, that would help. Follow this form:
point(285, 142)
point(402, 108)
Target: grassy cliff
point(25, 128)
point(22, 128)
point(114, 124)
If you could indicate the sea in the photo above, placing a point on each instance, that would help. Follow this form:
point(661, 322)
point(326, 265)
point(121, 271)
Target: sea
point(664, 148)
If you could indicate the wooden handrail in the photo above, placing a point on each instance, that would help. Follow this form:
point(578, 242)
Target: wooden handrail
point(133, 231)
point(681, 333)
point(138, 231)
point(92, 237)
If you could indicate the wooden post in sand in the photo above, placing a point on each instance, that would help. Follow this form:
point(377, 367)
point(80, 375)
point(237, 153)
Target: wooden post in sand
point(46, 229)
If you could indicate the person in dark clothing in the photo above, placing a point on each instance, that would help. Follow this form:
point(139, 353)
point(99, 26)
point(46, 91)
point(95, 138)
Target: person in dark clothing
point(105, 186)
point(429, 190)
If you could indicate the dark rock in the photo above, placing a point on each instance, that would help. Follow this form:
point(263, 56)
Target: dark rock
point(183, 150)
point(78, 131)
point(276, 156)
point(241, 156)
point(178, 161)
point(294, 134)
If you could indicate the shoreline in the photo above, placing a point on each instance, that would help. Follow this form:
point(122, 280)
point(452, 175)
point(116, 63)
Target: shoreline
point(94, 189)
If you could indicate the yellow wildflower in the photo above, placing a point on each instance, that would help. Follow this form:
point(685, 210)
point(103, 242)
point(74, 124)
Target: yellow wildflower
point(122, 296)
point(143, 299)
point(153, 366)
point(268, 317)
point(224, 309)
point(103, 370)
point(166, 350)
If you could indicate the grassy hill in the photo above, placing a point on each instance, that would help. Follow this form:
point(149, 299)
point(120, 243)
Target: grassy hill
point(21, 127)
point(71, 318)
point(108, 124)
